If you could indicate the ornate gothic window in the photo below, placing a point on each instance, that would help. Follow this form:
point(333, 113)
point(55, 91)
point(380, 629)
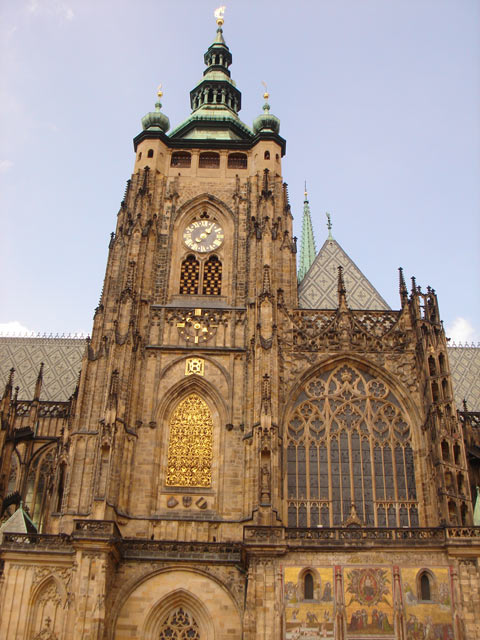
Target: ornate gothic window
point(212, 277)
point(190, 445)
point(189, 275)
point(349, 454)
point(179, 625)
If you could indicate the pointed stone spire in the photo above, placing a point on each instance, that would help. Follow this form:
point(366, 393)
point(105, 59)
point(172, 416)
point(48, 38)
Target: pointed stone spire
point(38, 384)
point(402, 288)
point(342, 292)
point(7, 393)
point(308, 250)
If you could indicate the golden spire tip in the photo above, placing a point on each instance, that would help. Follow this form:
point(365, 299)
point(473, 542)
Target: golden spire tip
point(159, 91)
point(218, 13)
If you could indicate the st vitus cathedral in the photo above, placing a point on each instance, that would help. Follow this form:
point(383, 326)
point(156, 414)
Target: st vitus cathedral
point(236, 462)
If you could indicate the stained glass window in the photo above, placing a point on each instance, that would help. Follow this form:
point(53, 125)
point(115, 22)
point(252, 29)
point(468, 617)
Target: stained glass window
point(348, 442)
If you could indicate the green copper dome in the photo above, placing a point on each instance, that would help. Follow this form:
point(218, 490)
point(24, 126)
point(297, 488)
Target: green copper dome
point(156, 119)
point(266, 121)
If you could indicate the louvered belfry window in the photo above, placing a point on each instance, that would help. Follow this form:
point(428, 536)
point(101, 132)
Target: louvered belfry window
point(349, 454)
point(189, 275)
point(212, 277)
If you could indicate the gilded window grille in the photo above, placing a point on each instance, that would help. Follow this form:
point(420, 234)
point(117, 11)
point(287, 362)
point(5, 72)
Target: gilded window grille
point(349, 454)
point(189, 275)
point(179, 625)
point(190, 444)
point(212, 277)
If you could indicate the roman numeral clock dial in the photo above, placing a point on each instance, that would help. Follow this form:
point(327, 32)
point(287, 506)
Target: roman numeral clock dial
point(203, 236)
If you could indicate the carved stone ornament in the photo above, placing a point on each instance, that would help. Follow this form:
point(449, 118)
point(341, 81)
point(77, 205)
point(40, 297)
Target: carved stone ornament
point(46, 632)
point(195, 366)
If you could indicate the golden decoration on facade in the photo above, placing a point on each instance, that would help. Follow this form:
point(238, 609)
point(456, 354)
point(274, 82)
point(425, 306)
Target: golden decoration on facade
point(195, 366)
point(190, 446)
point(218, 13)
point(197, 327)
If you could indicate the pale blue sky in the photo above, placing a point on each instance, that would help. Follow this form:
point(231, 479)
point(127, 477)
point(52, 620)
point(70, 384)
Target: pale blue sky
point(379, 102)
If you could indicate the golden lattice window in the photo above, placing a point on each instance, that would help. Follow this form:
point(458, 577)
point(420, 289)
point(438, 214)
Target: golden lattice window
point(179, 625)
point(212, 277)
point(189, 275)
point(349, 454)
point(190, 445)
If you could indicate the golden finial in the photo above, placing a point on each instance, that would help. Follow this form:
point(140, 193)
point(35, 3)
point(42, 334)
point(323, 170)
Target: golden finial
point(266, 95)
point(218, 13)
point(305, 192)
point(159, 91)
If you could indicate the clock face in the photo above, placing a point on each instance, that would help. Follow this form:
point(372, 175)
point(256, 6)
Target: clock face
point(203, 236)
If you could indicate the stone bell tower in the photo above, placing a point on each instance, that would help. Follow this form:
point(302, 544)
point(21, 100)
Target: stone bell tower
point(176, 417)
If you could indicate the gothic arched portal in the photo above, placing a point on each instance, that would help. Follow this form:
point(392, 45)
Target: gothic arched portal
point(190, 444)
point(349, 454)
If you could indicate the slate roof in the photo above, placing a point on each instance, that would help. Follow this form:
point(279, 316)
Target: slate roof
point(465, 370)
point(318, 289)
point(62, 358)
point(19, 522)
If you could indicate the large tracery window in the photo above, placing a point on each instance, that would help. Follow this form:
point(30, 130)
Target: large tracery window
point(179, 625)
point(349, 455)
point(190, 445)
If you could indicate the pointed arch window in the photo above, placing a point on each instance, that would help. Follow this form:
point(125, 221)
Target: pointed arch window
point(38, 479)
point(349, 454)
point(212, 277)
point(190, 444)
point(189, 275)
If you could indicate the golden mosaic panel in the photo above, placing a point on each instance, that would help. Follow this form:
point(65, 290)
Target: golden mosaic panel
point(312, 618)
point(190, 445)
point(368, 602)
point(432, 618)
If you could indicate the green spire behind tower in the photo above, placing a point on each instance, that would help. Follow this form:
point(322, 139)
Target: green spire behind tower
point(308, 250)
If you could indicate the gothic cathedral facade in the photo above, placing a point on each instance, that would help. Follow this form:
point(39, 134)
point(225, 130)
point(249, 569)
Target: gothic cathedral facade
point(233, 465)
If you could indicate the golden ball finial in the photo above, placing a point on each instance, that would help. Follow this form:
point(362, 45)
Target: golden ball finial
point(218, 13)
point(266, 95)
point(159, 91)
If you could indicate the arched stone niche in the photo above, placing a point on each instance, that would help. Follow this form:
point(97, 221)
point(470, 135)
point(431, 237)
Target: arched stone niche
point(149, 607)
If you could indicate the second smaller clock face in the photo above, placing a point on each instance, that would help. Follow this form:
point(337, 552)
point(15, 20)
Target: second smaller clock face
point(203, 236)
